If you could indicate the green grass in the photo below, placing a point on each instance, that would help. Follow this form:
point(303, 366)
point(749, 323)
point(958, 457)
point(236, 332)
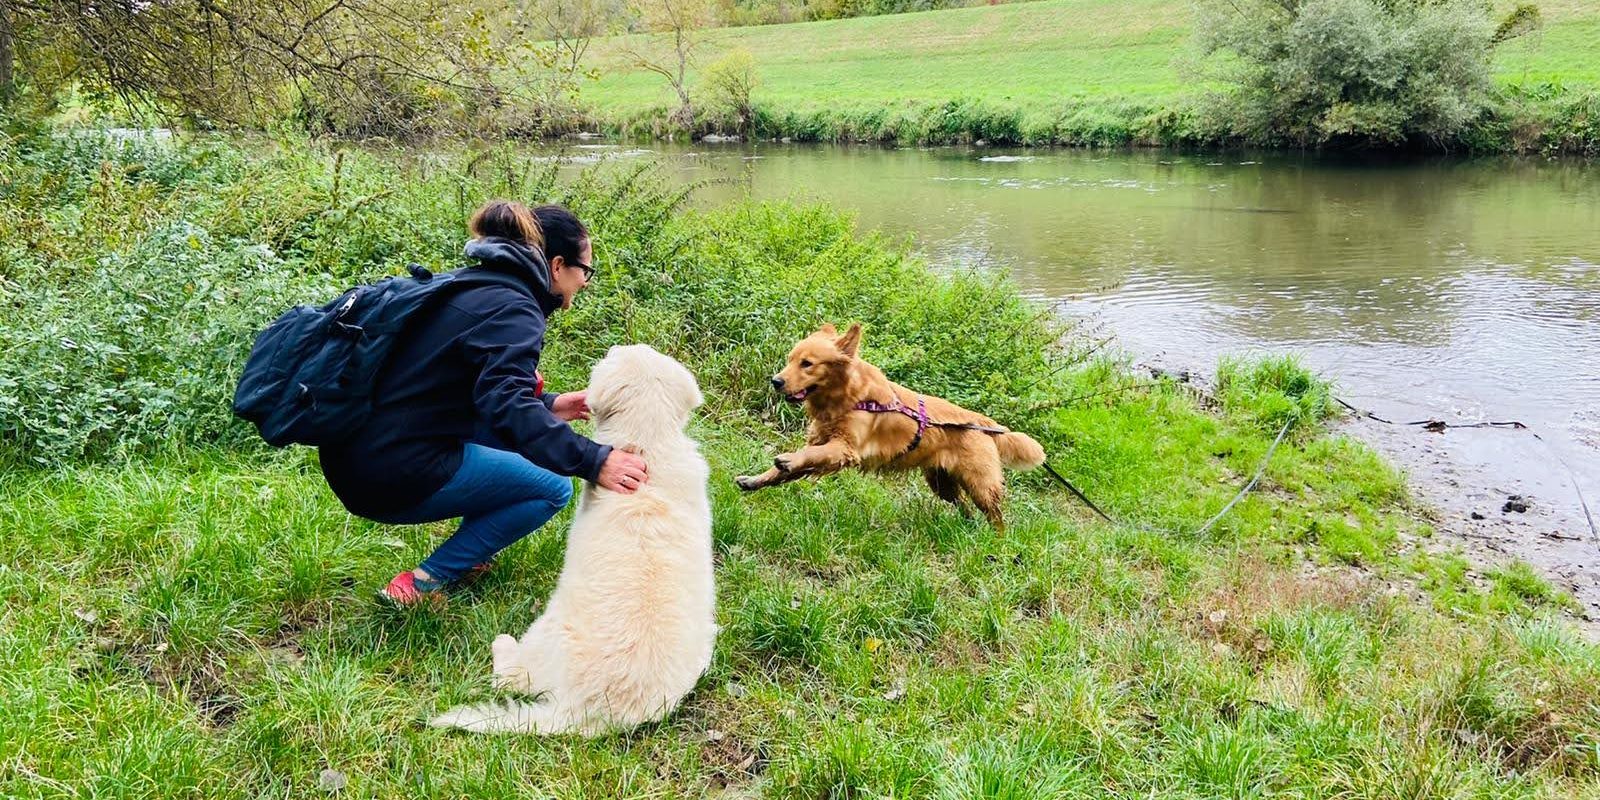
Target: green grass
point(1054, 71)
point(203, 626)
point(188, 615)
point(1029, 53)
point(1562, 53)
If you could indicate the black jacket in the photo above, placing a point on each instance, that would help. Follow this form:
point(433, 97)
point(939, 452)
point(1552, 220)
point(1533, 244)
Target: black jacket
point(462, 369)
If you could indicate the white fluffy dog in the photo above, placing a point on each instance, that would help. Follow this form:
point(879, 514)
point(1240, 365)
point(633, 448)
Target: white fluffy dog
point(631, 624)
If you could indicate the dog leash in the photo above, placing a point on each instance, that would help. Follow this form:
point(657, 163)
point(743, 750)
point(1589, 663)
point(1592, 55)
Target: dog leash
point(1244, 490)
point(1081, 496)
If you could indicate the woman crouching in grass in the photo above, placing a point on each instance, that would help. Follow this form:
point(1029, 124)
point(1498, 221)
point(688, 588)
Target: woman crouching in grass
point(461, 425)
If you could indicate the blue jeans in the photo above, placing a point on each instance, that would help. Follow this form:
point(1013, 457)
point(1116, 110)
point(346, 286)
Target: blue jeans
point(499, 496)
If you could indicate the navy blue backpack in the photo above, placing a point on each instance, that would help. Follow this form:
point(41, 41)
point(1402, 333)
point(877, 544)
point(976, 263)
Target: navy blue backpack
point(310, 375)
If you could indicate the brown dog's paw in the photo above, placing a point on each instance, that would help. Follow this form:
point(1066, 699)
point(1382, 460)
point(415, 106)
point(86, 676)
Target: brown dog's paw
point(782, 463)
point(747, 483)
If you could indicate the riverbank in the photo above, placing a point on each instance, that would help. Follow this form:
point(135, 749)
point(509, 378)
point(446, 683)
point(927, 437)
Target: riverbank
point(1487, 522)
point(1488, 497)
point(189, 614)
point(1069, 72)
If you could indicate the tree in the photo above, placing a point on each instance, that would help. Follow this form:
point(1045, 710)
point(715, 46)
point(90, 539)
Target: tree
point(7, 51)
point(391, 67)
point(679, 22)
point(1311, 72)
point(566, 27)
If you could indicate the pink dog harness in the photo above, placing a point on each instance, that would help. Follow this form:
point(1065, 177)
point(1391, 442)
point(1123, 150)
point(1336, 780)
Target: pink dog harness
point(921, 417)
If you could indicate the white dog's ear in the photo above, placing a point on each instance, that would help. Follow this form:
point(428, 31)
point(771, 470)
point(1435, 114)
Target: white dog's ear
point(601, 391)
point(693, 396)
point(850, 342)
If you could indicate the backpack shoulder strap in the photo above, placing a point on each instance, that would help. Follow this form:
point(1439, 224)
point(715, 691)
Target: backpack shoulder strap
point(433, 291)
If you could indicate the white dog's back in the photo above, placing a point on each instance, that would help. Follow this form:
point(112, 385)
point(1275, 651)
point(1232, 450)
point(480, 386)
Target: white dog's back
point(631, 624)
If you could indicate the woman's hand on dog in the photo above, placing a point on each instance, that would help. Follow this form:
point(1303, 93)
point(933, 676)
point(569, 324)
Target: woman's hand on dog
point(623, 472)
point(571, 406)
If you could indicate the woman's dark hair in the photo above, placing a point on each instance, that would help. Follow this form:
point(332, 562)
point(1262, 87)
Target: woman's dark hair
point(563, 232)
point(507, 219)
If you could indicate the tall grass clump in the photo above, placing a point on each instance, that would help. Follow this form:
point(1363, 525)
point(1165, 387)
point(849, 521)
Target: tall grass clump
point(1273, 391)
point(960, 120)
point(139, 349)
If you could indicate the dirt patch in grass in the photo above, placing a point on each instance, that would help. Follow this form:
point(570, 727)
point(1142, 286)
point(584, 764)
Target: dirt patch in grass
point(732, 760)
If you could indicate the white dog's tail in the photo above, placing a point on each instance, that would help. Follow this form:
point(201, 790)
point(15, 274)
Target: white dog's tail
point(509, 717)
point(1019, 450)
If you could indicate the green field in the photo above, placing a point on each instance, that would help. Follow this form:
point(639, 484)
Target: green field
point(1064, 66)
point(185, 613)
point(1030, 53)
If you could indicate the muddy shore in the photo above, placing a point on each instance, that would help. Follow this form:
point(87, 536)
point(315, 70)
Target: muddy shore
point(1487, 517)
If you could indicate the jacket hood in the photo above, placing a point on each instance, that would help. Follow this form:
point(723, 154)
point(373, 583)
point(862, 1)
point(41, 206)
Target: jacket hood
point(519, 261)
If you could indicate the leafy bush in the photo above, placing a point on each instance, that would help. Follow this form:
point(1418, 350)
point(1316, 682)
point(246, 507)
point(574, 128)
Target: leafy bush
point(1356, 71)
point(839, 9)
point(130, 342)
point(136, 274)
point(141, 348)
point(1542, 117)
point(726, 86)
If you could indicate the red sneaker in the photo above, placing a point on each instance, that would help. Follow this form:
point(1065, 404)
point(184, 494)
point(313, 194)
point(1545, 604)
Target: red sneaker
point(402, 591)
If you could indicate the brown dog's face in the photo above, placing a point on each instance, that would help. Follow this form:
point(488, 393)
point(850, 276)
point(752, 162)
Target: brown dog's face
point(818, 362)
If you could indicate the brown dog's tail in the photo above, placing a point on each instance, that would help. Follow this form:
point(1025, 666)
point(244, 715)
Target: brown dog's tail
point(1019, 451)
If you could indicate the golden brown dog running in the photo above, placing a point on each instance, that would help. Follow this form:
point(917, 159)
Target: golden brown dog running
point(861, 418)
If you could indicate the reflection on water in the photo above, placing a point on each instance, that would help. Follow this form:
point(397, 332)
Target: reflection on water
point(1446, 287)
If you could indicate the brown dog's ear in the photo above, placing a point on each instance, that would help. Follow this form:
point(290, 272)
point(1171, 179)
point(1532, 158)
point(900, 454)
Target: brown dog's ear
point(850, 342)
point(827, 329)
